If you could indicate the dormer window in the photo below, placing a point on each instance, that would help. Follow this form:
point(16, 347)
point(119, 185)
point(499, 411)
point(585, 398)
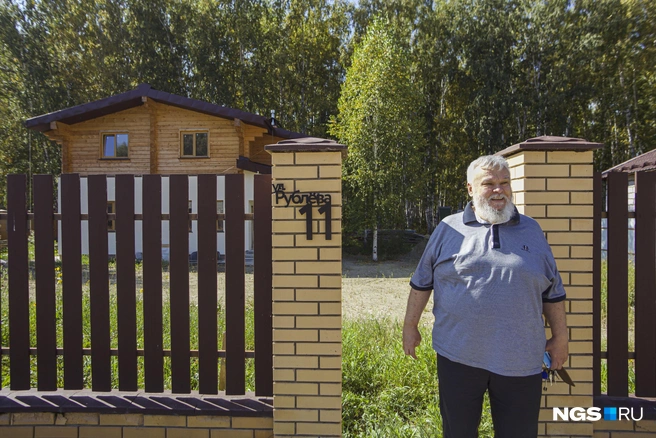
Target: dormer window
point(194, 144)
point(115, 145)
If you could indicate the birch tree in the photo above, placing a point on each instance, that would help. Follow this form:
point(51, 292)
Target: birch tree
point(380, 119)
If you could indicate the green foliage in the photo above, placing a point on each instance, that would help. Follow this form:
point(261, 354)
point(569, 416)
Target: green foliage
point(379, 118)
point(388, 394)
point(391, 244)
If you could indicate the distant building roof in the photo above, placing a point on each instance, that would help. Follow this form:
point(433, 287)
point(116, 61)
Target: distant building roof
point(133, 98)
point(641, 163)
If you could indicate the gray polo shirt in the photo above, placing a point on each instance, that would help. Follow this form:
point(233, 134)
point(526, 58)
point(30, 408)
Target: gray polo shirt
point(489, 284)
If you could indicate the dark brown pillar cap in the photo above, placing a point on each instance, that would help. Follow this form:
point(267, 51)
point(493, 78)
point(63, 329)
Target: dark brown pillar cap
point(307, 144)
point(551, 143)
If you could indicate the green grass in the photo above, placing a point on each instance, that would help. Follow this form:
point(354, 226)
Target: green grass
point(388, 394)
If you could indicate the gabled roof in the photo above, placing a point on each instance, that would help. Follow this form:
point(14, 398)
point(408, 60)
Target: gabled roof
point(133, 98)
point(641, 163)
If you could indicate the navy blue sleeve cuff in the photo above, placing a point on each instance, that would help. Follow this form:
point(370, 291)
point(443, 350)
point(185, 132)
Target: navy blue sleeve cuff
point(554, 300)
point(423, 289)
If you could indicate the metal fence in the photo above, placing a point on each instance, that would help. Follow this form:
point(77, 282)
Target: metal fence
point(47, 352)
point(620, 219)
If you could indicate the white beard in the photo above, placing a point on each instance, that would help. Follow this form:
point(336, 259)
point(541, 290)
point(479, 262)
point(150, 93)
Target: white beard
point(492, 215)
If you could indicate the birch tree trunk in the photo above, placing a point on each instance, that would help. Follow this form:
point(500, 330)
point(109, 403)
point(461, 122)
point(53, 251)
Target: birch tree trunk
point(375, 250)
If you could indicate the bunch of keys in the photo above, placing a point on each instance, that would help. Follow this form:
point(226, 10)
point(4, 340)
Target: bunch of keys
point(548, 375)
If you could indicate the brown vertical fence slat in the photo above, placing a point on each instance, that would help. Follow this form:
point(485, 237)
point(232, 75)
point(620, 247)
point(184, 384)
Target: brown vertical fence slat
point(99, 284)
point(125, 284)
point(46, 334)
point(207, 319)
point(263, 307)
point(618, 303)
point(235, 285)
point(179, 268)
point(152, 283)
point(645, 291)
point(19, 320)
point(596, 284)
point(72, 280)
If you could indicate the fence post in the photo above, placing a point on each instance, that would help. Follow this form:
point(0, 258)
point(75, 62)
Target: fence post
point(307, 280)
point(552, 181)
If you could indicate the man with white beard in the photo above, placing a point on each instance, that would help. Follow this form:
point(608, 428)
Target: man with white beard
point(493, 275)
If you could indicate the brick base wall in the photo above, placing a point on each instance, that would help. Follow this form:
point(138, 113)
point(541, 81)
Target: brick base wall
point(93, 425)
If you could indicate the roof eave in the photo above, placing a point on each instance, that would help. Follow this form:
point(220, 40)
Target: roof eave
point(133, 98)
point(90, 110)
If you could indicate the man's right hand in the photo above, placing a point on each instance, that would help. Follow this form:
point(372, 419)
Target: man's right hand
point(416, 304)
point(411, 340)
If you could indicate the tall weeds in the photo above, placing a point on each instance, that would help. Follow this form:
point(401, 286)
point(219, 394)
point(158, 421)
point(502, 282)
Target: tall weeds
point(388, 394)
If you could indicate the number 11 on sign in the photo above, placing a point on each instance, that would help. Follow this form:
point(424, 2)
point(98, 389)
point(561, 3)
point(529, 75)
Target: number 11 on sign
point(325, 210)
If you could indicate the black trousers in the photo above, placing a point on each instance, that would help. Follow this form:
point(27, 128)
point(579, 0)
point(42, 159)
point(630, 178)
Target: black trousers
point(514, 401)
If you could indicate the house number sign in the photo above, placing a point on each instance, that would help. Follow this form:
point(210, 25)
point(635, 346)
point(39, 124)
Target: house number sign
point(295, 198)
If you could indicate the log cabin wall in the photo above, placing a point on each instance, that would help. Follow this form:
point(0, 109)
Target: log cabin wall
point(223, 142)
point(154, 131)
point(82, 143)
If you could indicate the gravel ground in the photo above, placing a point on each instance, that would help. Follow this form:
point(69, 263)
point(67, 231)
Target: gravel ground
point(379, 289)
point(369, 289)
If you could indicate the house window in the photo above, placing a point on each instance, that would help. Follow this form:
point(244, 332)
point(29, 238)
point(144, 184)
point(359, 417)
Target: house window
point(115, 145)
point(219, 210)
point(111, 209)
point(194, 144)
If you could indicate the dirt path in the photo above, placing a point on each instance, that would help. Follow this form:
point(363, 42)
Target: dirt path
point(379, 289)
point(369, 289)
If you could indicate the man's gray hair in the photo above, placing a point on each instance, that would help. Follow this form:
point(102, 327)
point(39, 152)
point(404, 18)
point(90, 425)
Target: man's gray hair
point(486, 162)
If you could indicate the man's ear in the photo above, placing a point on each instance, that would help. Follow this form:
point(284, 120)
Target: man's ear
point(470, 189)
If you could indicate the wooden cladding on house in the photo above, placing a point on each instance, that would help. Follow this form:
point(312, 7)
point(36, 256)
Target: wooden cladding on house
point(47, 351)
point(158, 138)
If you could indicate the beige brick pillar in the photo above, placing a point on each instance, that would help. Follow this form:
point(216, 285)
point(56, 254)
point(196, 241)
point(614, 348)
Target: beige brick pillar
point(552, 183)
point(307, 282)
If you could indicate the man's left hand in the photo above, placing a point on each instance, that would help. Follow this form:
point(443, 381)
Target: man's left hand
point(558, 350)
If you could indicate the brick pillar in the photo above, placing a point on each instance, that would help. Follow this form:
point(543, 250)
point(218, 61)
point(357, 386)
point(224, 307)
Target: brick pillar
point(307, 282)
point(552, 183)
